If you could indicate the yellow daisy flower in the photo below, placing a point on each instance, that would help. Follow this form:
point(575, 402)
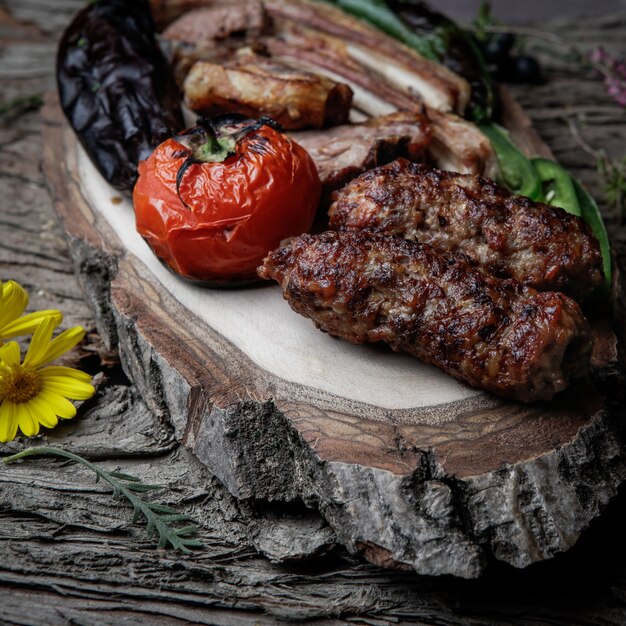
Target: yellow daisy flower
point(33, 393)
point(13, 302)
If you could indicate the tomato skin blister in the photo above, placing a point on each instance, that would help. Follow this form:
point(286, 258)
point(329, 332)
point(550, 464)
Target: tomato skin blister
point(227, 215)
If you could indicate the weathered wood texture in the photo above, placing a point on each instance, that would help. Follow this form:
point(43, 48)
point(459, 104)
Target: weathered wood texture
point(68, 556)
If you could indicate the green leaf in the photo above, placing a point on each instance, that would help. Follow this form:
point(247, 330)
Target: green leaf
point(141, 487)
point(22, 104)
point(178, 517)
point(150, 528)
point(123, 476)
point(613, 173)
point(161, 508)
point(187, 531)
point(192, 543)
point(483, 19)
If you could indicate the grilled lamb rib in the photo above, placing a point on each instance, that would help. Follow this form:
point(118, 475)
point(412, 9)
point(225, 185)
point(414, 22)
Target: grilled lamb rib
point(344, 152)
point(255, 85)
point(212, 25)
point(384, 75)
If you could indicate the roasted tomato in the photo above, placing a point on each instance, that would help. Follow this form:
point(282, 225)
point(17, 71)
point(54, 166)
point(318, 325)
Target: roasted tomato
point(212, 202)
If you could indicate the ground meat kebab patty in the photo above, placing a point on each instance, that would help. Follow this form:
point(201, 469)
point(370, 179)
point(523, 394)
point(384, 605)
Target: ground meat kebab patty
point(495, 334)
point(510, 236)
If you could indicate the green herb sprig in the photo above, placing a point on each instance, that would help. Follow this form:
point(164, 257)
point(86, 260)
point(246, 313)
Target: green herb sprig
point(21, 104)
point(613, 175)
point(159, 518)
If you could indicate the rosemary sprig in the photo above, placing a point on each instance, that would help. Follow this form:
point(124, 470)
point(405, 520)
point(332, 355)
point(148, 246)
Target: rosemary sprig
point(159, 517)
point(483, 21)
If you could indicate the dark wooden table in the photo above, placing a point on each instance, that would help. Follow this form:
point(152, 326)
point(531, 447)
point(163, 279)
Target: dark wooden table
point(69, 554)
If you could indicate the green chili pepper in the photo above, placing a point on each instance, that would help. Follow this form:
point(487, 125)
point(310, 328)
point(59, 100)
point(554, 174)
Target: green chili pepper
point(561, 189)
point(516, 171)
point(557, 187)
point(591, 214)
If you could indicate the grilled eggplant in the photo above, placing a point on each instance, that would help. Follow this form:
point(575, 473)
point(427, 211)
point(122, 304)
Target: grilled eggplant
point(116, 88)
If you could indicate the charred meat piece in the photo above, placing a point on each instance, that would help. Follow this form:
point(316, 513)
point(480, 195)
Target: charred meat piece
point(254, 85)
point(344, 152)
point(508, 235)
point(437, 86)
point(494, 334)
point(212, 33)
point(239, 20)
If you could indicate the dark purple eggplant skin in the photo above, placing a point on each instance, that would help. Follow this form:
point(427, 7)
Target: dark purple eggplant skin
point(116, 88)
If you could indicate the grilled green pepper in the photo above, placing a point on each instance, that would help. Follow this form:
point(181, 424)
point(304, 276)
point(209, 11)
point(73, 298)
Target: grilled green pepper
point(561, 189)
point(557, 186)
point(591, 214)
point(516, 171)
point(116, 88)
point(455, 49)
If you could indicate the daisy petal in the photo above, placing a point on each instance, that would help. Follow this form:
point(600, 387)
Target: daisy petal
point(14, 301)
point(61, 344)
point(8, 423)
point(26, 420)
point(10, 353)
point(39, 343)
point(61, 370)
point(43, 412)
point(69, 388)
point(60, 405)
point(29, 323)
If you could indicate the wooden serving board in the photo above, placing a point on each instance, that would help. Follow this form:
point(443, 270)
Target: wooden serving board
point(411, 468)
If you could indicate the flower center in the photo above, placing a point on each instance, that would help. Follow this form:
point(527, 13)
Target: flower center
point(20, 384)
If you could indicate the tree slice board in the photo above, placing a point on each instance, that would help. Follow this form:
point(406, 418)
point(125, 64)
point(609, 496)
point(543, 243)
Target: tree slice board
point(411, 468)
